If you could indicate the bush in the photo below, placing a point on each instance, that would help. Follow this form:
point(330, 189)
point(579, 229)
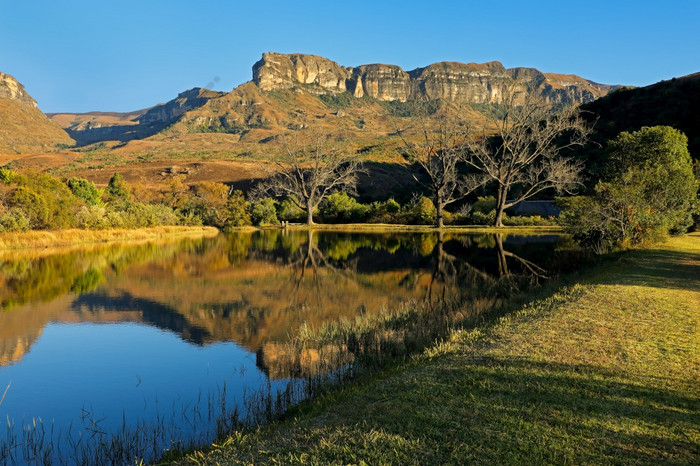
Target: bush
point(484, 205)
point(650, 191)
point(85, 190)
point(288, 211)
point(32, 204)
point(480, 218)
point(421, 212)
point(236, 211)
point(92, 218)
point(264, 212)
point(13, 220)
point(341, 208)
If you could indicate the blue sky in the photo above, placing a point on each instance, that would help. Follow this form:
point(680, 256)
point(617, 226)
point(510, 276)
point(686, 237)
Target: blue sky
point(78, 55)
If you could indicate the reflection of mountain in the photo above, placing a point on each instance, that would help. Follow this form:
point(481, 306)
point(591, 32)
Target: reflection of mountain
point(255, 289)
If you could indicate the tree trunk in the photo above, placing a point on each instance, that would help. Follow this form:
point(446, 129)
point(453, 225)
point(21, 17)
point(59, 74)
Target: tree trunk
point(500, 207)
point(309, 215)
point(439, 215)
point(502, 263)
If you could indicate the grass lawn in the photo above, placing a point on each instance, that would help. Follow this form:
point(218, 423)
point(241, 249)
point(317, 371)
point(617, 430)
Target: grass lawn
point(603, 371)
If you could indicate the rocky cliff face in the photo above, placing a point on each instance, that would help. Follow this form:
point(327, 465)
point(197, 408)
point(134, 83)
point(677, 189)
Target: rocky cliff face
point(11, 89)
point(451, 81)
point(23, 127)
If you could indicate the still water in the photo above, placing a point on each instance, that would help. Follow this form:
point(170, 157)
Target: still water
point(165, 338)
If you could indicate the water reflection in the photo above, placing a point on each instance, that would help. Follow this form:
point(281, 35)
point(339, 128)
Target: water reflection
point(250, 310)
point(255, 288)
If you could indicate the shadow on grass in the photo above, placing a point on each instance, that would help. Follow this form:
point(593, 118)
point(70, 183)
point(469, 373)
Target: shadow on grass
point(657, 268)
point(515, 411)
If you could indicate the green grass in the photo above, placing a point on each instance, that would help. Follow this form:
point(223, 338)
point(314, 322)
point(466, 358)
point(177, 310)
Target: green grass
point(603, 371)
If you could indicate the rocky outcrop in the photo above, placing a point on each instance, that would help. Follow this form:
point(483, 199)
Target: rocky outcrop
point(11, 89)
point(23, 127)
point(451, 81)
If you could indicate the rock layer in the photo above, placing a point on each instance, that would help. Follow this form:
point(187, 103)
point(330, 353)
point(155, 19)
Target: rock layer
point(451, 81)
point(11, 89)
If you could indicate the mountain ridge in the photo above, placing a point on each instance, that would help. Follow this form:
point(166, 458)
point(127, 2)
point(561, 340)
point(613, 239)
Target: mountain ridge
point(449, 80)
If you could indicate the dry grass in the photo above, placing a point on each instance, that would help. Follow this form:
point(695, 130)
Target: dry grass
point(58, 238)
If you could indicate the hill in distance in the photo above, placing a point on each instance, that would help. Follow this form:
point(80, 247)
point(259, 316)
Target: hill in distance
point(23, 127)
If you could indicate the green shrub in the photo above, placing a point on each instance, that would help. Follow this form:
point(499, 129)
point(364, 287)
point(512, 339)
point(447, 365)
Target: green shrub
point(264, 212)
point(236, 211)
point(650, 191)
point(385, 212)
point(32, 204)
point(341, 208)
point(13, 220)
point(288, 211)
point(85, 190)
point(421, 212)
point(118, 191)
point(484, 204)
point(93, 217)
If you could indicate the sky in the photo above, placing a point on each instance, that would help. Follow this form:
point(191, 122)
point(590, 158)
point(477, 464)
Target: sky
point(79, 55)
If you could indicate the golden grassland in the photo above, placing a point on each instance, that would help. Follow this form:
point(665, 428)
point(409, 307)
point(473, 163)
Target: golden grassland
point(58, 238)
point(604, 370)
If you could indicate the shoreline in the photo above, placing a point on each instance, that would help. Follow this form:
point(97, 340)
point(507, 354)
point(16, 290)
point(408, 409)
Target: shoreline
point(601, 367)
point(40, 239)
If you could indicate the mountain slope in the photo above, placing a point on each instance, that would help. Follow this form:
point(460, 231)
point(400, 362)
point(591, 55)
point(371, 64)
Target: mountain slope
point(88, 128)
point(673, 103)
point(23, 127)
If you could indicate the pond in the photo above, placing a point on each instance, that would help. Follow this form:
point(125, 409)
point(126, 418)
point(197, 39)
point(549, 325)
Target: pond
point(110, 352)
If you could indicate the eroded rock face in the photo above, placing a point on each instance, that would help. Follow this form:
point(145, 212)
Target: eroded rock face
point(452, 81)
point(11, 89)
point(281, 71)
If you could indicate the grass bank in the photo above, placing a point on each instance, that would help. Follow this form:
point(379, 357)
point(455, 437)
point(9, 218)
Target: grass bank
point(59, 238)
point(603, 371)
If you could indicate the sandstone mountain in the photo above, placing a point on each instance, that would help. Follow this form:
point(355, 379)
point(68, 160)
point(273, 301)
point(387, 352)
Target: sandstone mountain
point(23, 128)
point(291, 91)
point(450, 81)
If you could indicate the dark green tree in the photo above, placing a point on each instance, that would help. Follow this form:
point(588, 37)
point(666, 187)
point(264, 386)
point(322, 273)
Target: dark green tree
point(649, 191)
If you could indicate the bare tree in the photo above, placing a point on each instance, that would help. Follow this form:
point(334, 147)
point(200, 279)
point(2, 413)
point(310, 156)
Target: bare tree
point(525, 150)
point(309, 168)
point(439, 150)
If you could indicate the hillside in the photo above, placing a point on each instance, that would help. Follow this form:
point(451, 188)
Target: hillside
point(226, 137)
point(23, 128)
point(88, 128)
point(673, 103)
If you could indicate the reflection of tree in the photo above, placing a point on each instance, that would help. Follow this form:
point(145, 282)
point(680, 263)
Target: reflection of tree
point(310, 258)
point(453, 278)
point(528, 268)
